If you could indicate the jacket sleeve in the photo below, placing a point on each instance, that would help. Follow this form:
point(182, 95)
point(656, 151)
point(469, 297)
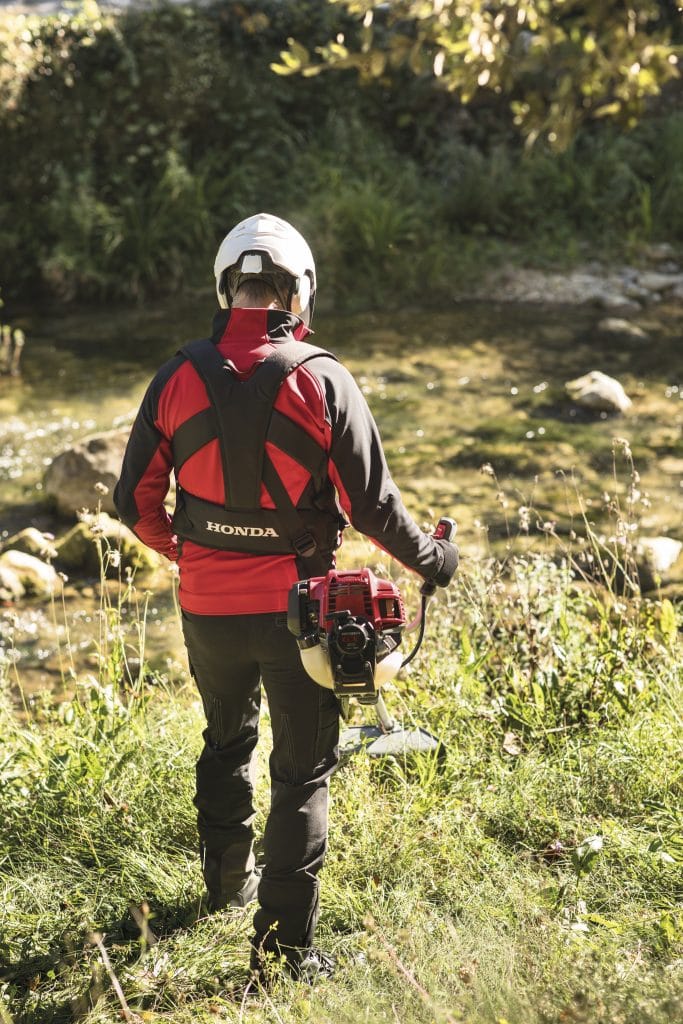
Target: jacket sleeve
point(146, 472)
point(359, 471)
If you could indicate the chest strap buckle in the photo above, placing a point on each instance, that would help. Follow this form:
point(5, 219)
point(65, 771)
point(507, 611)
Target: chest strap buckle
point(305, 545)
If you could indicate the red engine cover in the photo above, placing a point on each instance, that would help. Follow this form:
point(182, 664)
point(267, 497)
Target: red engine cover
point(359, 592)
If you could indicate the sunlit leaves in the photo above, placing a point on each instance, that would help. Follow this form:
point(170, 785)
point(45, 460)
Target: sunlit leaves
point(557, 64)
point(668, 624)
point(28, 50)
point(295, 59)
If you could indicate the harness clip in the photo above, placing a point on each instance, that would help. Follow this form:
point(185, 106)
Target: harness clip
point(305, 545)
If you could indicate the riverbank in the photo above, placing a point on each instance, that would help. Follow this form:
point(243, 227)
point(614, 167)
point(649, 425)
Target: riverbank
point(622, 290)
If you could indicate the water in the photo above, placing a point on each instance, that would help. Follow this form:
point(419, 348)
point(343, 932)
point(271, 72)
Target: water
point(451, 391)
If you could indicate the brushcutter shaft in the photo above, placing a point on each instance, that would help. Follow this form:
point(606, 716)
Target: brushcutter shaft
point(387, 723)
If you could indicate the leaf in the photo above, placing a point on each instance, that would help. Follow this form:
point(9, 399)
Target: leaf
point(512, 744)
point(282, 69)
point(668, 624)
point(378, 61)
point(605, 922)
point(584, 856)
point(336, 51)
point(293, 60)
point(539, 696)
point(670, 928)
point(607, 110)
point(299, 52)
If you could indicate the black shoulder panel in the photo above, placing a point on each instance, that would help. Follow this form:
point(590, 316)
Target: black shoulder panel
point(242, 412)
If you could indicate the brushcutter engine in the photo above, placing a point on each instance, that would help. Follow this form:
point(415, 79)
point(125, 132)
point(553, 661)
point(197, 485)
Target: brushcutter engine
point(348, 626)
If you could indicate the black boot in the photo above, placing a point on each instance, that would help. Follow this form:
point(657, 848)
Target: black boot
point(313, 966)
point(307, 964)
point(242, 898)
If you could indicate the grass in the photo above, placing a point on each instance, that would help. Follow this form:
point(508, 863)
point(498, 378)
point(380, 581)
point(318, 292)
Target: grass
point(535, 877)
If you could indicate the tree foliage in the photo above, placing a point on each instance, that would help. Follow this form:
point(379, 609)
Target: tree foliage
point(129, 143)
point(148, 132)
point(556, 63)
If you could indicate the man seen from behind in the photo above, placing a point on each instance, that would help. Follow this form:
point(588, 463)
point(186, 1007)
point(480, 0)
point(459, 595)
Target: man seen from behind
point(274, 450)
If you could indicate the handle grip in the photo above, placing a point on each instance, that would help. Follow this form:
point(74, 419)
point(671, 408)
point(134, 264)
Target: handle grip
point(446, 529)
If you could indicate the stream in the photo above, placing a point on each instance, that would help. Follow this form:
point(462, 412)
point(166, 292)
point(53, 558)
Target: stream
point(452, 390)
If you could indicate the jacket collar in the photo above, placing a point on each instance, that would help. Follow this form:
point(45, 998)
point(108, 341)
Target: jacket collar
point(266, 324)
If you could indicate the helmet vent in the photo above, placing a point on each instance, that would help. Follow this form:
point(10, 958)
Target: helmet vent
point(251, 264)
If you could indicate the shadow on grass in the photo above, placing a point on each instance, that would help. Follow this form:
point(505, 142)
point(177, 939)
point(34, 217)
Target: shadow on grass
point(65, 982)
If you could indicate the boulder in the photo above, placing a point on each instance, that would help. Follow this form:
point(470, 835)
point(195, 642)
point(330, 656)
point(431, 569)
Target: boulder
point(79, 550)
point(657, 252)
point(72, 478)
point(655, 281)
point(616, 327)
point(35, 576)
point(11, 587)
point(623, 291)
point(659, 561)
point(32, 542)
point(635, 292)
point(671, 464)
point(618, 302)
point(598, 392)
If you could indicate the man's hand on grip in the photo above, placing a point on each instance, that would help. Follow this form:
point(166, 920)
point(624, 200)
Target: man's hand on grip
point(451, 557)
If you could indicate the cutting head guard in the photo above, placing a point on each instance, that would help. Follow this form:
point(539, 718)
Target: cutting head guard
point(264, 245)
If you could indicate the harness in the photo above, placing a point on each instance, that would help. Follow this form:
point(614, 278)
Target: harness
point(243, 418)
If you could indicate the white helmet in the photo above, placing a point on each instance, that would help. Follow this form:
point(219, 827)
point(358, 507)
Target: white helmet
point(265, 244)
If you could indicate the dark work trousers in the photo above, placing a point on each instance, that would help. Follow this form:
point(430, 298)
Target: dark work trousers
point(229, 656)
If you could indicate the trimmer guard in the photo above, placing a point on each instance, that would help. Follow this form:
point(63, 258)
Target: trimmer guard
point(396, 743)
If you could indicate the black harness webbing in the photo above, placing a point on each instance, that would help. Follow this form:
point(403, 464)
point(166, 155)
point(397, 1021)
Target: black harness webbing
point(292, 439)
point(241, 416)
point(192, 435)
point(284, 433)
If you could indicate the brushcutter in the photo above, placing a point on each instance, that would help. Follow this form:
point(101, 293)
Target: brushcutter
point(349, 625)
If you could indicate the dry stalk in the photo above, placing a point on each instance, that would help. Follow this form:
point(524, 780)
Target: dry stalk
point(405, 972)
point(96, 939)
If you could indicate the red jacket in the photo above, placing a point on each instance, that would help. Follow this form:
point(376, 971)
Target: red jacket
point(320, 396)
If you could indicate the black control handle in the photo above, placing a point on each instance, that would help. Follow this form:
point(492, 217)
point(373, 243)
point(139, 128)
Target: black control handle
point(446, 529)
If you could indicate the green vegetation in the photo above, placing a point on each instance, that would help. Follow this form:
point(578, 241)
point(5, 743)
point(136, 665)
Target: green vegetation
point(11, 346)
point(555, 66)
point(535, 878)
point(130, 143)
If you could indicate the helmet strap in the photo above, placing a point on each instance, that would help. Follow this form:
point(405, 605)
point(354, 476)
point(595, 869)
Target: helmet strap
point(224, 290)
point(283, 284)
